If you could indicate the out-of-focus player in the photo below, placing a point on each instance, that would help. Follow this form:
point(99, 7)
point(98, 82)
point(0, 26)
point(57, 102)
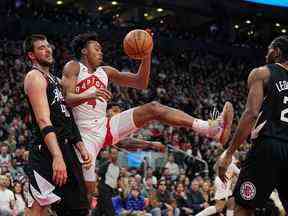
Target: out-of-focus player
point(223, 192)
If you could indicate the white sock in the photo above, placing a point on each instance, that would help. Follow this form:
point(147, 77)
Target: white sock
point(208, 211)
point(229, 212)
point(200, 126)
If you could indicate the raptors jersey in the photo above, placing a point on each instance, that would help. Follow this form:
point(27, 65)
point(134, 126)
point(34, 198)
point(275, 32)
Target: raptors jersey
point(91, 114)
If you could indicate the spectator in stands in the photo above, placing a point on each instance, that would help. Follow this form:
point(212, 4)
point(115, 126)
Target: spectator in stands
point(195, 197)
point(206, 192)
point(119, 204)
point(135, 201)
point(5, 157)
point(7, 200)
point(18, 160)
point(148, 188)
point(20, 200)
point(163, 195)
point(144, 167)
point(150, 175)
point(166, 174)
point(172, 167)
point(182, 200)
point(3, 130)
point(108, 184)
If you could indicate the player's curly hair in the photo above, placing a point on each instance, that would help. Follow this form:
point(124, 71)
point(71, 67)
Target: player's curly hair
point(80, 41)
point(281, 42)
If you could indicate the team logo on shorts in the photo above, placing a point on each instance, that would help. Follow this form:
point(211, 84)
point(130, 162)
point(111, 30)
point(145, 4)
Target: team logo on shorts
point(247, 190)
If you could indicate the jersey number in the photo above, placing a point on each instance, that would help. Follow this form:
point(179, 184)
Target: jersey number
point(285, 111)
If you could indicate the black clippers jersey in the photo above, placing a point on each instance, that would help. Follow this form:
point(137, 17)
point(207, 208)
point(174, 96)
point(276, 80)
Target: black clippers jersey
point(274, 112)
point(61, 119)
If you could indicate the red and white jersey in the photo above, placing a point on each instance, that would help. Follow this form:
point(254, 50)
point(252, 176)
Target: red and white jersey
point(91, 113)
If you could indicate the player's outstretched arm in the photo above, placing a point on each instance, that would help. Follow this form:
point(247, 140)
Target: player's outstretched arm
point(139, 80)
point(35, 86)
point(256, 80)
point(69, 81)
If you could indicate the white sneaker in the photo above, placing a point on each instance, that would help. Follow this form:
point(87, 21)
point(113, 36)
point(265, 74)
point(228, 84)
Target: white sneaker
point(220, 125)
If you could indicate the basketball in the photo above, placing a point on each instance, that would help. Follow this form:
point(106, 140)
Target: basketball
point(138, 44)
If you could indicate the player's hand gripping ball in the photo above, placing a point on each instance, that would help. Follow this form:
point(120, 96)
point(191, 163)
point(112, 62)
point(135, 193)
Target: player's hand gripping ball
point(138, 44)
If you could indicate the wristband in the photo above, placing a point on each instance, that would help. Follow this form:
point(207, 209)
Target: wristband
point(46, 130)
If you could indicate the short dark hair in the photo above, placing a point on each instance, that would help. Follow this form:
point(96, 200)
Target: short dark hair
point(28, 44)
point(80, 41)
point(281, 42)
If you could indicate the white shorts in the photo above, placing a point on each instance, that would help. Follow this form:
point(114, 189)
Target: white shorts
point(222, 191)
point(117, 128)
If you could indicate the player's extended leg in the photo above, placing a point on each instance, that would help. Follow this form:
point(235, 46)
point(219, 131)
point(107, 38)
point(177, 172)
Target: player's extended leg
point(218, 129)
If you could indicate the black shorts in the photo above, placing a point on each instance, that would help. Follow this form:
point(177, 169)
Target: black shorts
point(42, 189)
point(265, 168)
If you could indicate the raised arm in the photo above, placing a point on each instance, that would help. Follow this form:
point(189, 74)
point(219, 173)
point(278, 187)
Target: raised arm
point(139, 80)
point(35, 86)
point(69, 81)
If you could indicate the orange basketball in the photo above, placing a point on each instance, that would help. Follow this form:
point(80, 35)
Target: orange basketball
point(138, 44)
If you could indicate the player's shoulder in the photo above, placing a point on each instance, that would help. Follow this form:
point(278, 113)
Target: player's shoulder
point(261, 72)
point(72, 66)
point(72, 63)
point(34, 75)
point(34, 79)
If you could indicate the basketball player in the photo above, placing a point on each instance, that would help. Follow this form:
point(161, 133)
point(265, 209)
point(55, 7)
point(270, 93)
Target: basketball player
point(266, 119)
point(223, 192)
point(56, 173)
point(84, 80)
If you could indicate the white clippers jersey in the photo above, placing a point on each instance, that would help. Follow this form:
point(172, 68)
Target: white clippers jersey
point(91, 114)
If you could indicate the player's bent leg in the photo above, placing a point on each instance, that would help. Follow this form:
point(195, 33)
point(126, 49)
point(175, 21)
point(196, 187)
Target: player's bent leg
point(156, 111)
point(127, 122)
point(219, 129)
